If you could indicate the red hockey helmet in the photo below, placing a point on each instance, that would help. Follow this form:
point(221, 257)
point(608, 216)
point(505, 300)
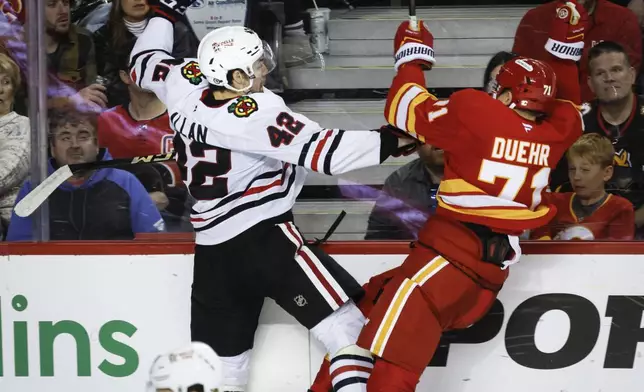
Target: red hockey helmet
point(532, 83)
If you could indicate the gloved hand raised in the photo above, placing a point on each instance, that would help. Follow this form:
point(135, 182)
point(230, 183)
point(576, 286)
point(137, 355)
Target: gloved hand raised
point(413, 46)
point(566, 36)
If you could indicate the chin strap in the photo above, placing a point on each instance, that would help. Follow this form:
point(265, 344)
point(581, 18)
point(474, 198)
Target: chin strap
point(243, 90)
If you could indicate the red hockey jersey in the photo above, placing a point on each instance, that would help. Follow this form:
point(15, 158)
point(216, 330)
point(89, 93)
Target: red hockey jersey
point(125, 137)
point(613, 220)
point(497, 164)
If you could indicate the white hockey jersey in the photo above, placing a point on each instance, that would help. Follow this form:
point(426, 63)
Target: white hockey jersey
point(243, 160)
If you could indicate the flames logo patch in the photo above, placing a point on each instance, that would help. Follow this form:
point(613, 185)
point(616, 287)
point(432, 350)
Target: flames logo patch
point(622, 158)
point(243, 107)
point(192, 73)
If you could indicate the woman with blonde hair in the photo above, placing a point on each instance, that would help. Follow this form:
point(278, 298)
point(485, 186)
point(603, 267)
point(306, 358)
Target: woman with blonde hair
point(14, 141)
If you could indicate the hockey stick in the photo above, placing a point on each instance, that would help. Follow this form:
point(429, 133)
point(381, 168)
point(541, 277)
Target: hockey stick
point(37, 196)
point(413, 21)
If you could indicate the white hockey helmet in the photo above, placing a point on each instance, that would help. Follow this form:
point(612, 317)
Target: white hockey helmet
point(229, 48)
point(195, 368)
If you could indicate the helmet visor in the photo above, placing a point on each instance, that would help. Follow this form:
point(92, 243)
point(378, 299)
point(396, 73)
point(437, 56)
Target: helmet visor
point(267, 60)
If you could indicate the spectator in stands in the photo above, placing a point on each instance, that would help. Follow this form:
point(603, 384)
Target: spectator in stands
point(408, 197)
point(10, 32)
point(637, 6)
point(618, 114)
point(142, 127)
point(126, 22)
point(607, 22)
point(297, 49)
point(14, 141)
point(71, 57)
point(13, 44)
point(105, 204)
point(589, 212)
point(494, 66)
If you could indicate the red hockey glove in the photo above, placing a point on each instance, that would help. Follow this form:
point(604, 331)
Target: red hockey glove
point(170, 9)
point(413, 46)
point(566, 38)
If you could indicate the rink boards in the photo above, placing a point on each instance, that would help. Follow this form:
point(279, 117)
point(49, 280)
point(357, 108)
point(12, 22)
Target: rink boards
point(95, 322)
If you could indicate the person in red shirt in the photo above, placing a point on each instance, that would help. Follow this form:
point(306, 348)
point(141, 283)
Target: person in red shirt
point(607, 22)
point(139, 127)
point(142, 127)
point(589, 213)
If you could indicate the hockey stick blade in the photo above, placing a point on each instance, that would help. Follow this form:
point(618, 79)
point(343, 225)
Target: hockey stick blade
point(36, 197)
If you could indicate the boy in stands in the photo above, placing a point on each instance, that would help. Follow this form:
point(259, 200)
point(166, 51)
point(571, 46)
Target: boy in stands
point(589, 212)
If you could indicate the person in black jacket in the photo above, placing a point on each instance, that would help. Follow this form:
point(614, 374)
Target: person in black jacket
point(408, 198)
point(126, 22)
point(105, 204)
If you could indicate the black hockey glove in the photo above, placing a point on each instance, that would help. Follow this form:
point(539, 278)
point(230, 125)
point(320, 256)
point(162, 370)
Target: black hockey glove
point(405, 143)
point(170, 9)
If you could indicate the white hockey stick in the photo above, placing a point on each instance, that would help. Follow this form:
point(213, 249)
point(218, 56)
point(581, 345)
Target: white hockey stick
point(36, 197)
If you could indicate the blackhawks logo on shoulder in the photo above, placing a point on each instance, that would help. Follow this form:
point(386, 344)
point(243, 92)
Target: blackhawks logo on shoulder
point(192, 72)
point(243, 107)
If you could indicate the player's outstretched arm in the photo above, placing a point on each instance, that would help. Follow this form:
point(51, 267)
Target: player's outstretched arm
point(410, 107)
point(262, 124)
point(150, 60)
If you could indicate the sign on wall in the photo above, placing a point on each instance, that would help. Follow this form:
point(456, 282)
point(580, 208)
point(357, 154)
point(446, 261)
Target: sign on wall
point(207, 15)
point(562, 323)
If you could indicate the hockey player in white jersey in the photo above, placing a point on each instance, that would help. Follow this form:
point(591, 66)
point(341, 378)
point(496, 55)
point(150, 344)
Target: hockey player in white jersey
point(245, 156)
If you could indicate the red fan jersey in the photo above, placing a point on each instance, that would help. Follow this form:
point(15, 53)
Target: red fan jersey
point(608, 22)
point(497, 164)
point(613, 220)
point(125, 137)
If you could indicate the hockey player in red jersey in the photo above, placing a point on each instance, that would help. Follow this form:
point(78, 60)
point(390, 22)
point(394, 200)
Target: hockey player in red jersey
point(499, 151)
point(374, 287)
